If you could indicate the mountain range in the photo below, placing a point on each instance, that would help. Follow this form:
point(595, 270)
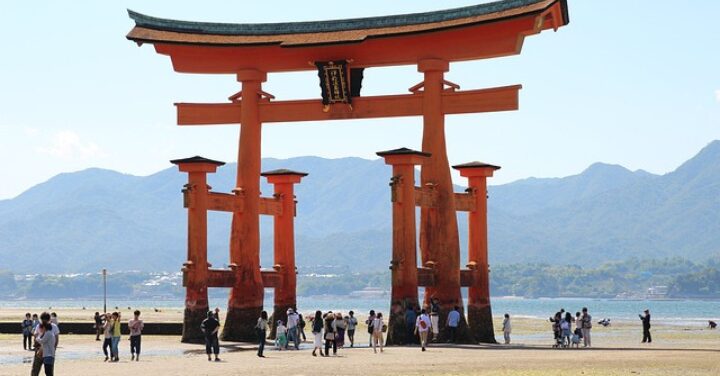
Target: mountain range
point(95, 218)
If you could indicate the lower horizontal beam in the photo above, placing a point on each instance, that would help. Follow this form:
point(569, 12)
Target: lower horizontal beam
point(226, 278)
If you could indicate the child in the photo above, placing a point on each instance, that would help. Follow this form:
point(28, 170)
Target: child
point(281, 336)
point(507, 329)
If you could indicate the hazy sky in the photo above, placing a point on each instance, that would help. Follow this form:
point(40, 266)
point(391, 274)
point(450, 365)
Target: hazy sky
point(635, 83)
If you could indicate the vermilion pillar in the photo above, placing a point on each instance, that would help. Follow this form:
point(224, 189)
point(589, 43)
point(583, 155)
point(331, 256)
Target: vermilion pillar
point(284, 240)
point(479, 310)
point(196, 267)
point(438, 225)
point(246, 296)
point(404, 249)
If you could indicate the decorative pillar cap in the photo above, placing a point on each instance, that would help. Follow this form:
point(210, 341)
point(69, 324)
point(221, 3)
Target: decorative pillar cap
point(197, 164)
point(476, 168)
point(283, 175)
point(403, 156)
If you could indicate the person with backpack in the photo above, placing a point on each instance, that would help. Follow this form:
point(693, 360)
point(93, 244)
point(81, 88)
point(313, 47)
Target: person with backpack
point(423, 324)
point(586, 321)
point(317, 327)
point(369, 323)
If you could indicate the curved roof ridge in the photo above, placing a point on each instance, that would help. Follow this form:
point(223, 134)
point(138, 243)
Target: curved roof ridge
point(259, 29)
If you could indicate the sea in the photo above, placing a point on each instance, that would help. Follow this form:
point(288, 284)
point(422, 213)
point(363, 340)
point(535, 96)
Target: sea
point(672, 312)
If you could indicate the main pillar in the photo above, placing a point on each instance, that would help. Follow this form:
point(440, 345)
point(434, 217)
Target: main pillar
point(246, 297)
point(404, 249)
point(195, 269)
point(284, 241)
point(438, 225)
point(479, 310)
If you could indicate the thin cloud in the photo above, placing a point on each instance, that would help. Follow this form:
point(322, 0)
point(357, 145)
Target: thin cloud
point(717, 95)
point(68, 145)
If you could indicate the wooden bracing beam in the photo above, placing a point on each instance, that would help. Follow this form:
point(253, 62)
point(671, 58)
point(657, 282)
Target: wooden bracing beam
point(227, 202)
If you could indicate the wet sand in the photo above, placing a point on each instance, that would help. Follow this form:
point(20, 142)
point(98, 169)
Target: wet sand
point(616, 351)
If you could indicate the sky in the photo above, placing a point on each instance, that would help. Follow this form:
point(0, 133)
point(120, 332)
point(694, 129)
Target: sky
point(630, 83)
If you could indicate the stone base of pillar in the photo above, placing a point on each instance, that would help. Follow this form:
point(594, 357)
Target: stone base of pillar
point(481, 323)
point(192, 319)
point(399, 332)
point(240, 324)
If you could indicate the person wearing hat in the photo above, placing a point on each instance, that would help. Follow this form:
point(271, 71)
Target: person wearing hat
point(646, 326)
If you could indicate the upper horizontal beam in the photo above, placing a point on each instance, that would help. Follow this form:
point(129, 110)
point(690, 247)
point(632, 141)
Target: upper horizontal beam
point(454, 102)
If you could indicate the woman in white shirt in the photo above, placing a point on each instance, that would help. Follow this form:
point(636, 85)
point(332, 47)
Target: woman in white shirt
point(377, 334)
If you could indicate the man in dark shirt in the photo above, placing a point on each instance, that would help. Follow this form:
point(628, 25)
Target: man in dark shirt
point(210, 327)
point(646, 326)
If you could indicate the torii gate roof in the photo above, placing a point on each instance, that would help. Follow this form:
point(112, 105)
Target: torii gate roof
point(467, 33)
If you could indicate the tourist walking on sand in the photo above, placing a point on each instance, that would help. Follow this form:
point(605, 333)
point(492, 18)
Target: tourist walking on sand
point(586, 321)
point(351, 325)
point(378, 329)
point(422, 328)
point(27, 328)
point(98, 325)
point(330, 334)
point(453, 320)
point(435, 318)
point(340, 326)
point(369, 323)
point(210, 327)
point(48, 344)
point(317, 326)
point(107, 341)
point(506, 328)
point(646, 326)
point(292, 328)
point(116, 336)
point(261, 330)
point(410, 321)
point(136, 326)
point(39, 330)
point(301, 327)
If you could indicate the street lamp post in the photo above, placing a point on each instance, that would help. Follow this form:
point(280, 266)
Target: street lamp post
point(104, 271)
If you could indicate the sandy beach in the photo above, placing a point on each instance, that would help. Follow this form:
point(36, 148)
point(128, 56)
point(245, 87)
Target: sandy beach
point(616, 351)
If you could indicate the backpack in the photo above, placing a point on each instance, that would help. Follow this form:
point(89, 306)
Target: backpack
point(564, 325)
point(423, 324)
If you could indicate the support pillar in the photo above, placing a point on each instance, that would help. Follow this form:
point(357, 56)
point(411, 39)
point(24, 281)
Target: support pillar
point(195, 268)
point(246, 297)
point(439, 241)
point(404, 265)
point(479, 309)
point(284, 242)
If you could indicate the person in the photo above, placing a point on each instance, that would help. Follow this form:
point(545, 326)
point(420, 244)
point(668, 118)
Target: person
point(330, 334)
point(578, 325)
point(453, 320)
point(586, 321)
point(261, 329)
point(555, 320)
point(423, 325)
point(281, 335)
point(565, 326)
point(98, 325)
point(136, 326)
point(27, 328)
point(48, 345)
point(369, 323)
point(410, 321)
point(712, 324)
point(317, 326)
point(351, 325)
point(116, 336)
point(301, 327)
point(107, 342)
point(340, 326)
point(292, 329)
point(435, 318)
point(210, 327)
point(646, 326)
point(54, 319)
point(217, 314)
point(38, 361)
point(35, 322)
point(378, 328)
point(507, 328)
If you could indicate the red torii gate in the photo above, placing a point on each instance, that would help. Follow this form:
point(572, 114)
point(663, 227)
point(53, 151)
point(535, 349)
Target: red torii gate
point(429, 40)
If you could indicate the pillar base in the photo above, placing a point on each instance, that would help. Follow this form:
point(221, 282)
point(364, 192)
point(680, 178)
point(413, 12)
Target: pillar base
point(399, 333)
point(240, 324)
point(192, 319)
point(481, 323)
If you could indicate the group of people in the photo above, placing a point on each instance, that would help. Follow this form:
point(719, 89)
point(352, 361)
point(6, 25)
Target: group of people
point(563, 333)
point(109, 326)
point(41, 335)
point(425, 323)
